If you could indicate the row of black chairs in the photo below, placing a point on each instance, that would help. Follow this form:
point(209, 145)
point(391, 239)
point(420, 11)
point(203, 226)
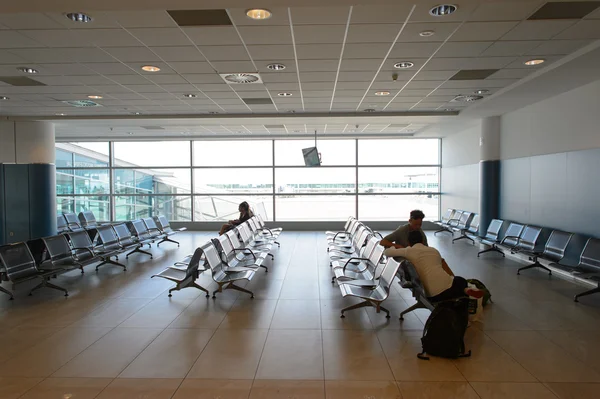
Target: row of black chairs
point(544, 251)
point(232, 257)
point(76, 248)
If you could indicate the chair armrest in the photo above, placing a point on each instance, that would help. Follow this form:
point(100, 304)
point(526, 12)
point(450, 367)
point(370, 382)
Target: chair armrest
point(350, 260)
point(269, 230)
point(245, 249)
point(86, 249)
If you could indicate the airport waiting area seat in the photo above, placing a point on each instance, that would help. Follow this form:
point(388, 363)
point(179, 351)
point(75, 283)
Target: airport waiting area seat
point(73, 223)
point(452, 223)
point(409, 279)
point(165, 228)
point(87, 220)
point(553, 251)
point(61, 224)
point(185, 277)
point(367, 267)
point(19, 266)
point(445, 219)
point(510, 239)
point(221, 274)
point(61, 255)
point(469, 231)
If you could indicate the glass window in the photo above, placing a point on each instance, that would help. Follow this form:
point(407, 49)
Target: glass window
point(64, 159)
point(233, 153)
point(92, 181)
point(398, 180)
point(315, 180)
point(100, 205)
point(64, 181)
point(333, 152)
point(224, 208)
point(65, 205)
point(233, 180)
point(399, 152)
point(314, 207)
point(152, 153)
point(152, 181)
point(396, 207)
point(177, 208)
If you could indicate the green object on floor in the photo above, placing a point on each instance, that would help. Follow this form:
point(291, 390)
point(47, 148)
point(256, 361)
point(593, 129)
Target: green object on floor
point(487, 296)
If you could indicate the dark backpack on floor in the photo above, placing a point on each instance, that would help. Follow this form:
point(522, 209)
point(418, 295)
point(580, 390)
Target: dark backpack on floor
point(444, 330)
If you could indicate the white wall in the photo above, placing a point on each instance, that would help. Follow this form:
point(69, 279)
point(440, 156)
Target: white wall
point(35, 142)
point(460, 169)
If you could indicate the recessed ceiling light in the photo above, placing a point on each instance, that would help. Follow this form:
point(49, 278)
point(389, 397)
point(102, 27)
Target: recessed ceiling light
point(28, 70)
point(213, 112)
point(4, 98)
point(369, 110)
point(404, 65)
point(60, 114)
point(449, 110)
point(291, 111)
point(136, 113)
point(537, 61)
point(190, 95)
point(427, 33)
point(258, 13)
point(78, 17)
point(481, 91)
point(443, 10)
point(130, 133)
point(150, 68)
point(382, 93)
point(296, 131)
point(95, 97)
point(276, 67)
point(284, 94)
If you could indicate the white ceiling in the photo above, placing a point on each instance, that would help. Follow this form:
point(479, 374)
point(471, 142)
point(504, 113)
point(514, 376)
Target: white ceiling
point(337, 57)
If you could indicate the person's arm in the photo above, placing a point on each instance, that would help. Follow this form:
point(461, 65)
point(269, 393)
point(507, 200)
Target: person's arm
point(388, 241)
point(392, 252)
point(446, 267)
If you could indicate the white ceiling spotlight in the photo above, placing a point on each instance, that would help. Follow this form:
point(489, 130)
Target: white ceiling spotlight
point(533, 62)
point(284, 94)
point(258, 14)
point(29, 70)
point(404, 65)
point(213, 112)
point(78, 17)
point(382, 93)
point(481, 91)
point(427, 33)
point(276, 67)
point(136, 113)
point(150, 68)
point(190, 95)
point(442, 10)
point(95, 97)
point(3, 98)
point(60, 114)
point(369, 110)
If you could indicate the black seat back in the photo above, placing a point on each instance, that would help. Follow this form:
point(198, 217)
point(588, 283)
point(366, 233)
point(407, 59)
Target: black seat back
point(110, 241)
point(529, 238)
point(590, 257)
point(87, 219)
point(81, 245)
point(194, 265)
point(58, 248)
point(61, 224)
point(557, 245)
point(493, 230)
point(511, 238)
point(72, 221)
point(140, 230)
point(151, 226)
point(163, 223)
point(124, 235)
point(18, 262)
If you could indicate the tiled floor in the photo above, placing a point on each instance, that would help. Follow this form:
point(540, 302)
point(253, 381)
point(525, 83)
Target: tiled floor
point(118, 335)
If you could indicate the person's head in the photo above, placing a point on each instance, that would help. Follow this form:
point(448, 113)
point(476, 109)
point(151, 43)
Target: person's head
point(244, 207)
point(416, 219)
point(415, 237)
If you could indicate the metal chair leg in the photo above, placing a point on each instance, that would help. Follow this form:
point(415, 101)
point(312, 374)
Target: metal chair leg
point(355, 306)
point(586, 293)
point(46, 283)
point(140, 250)
point(200, 288)
point(533, 265)
point(462, 238)
point(108, 261)
point(493, 248)
point(232, 286)
point(167, 239)
point(2, 289)
point(416, 306)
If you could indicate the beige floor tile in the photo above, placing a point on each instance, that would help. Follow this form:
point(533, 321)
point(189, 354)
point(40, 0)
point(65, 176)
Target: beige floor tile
point(112, 313)
point(61, 388)
point(570, 390)
point(299, 289)
point(584, 345)
point(159, 313)
point(542, 358)
point(395, 306)
point(13, 388)
point(108, 356)
point(354, 355)
point(330, 317)
point(213, 389)
point(122, 388)
point(401, 351)
point(479, 367)
point(20, 339)
point(282, 389)
point(362, 390)
point(496, 318)
point(292, 354)
point(171, 355)
point(203, 313)
point(512, 390)
point(250, 314)
point(266, 288)
point(437, 390)
point(52, 353)
point(307, 272)
point(297, 314)
point(233, 354)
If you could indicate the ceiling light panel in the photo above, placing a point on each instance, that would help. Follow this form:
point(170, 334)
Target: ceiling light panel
point(258, 14)
point(200, 17)
point(565, 10)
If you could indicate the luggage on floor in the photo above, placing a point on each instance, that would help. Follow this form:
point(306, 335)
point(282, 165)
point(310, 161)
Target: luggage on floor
point(444, 330)
point(487, 296)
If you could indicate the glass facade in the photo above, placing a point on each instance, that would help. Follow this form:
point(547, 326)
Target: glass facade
point(373, 179)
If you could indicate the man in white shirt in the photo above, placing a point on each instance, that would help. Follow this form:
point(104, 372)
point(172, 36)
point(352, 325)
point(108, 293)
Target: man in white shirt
point(437, 278)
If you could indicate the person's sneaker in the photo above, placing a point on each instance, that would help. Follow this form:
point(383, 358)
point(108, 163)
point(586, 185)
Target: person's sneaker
point(474, 293)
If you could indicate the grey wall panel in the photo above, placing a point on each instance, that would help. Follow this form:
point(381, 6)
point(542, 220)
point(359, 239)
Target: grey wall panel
point(2, 208)
point(16, 202)
point(42, 200)
point(548, 194)
point(460, 187)
point(582, 207)
point(515, 189)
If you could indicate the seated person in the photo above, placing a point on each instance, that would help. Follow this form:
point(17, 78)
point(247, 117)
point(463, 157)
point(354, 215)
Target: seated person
point(399, 238)
point(437, 278)
point(245, 214)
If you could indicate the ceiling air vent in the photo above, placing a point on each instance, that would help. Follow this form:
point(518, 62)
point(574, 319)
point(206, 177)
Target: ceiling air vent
point(20, 81)
point(258, 101)
point(466, 98)
point(565, 10)
point(82, 103)
point(275, 127)
point(241, 78)
point(473, 74)
point(153, 127)
point(200, 17)
point(397, 126)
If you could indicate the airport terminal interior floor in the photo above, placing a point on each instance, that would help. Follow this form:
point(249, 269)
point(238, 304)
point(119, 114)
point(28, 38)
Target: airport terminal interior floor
point(118, 335)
